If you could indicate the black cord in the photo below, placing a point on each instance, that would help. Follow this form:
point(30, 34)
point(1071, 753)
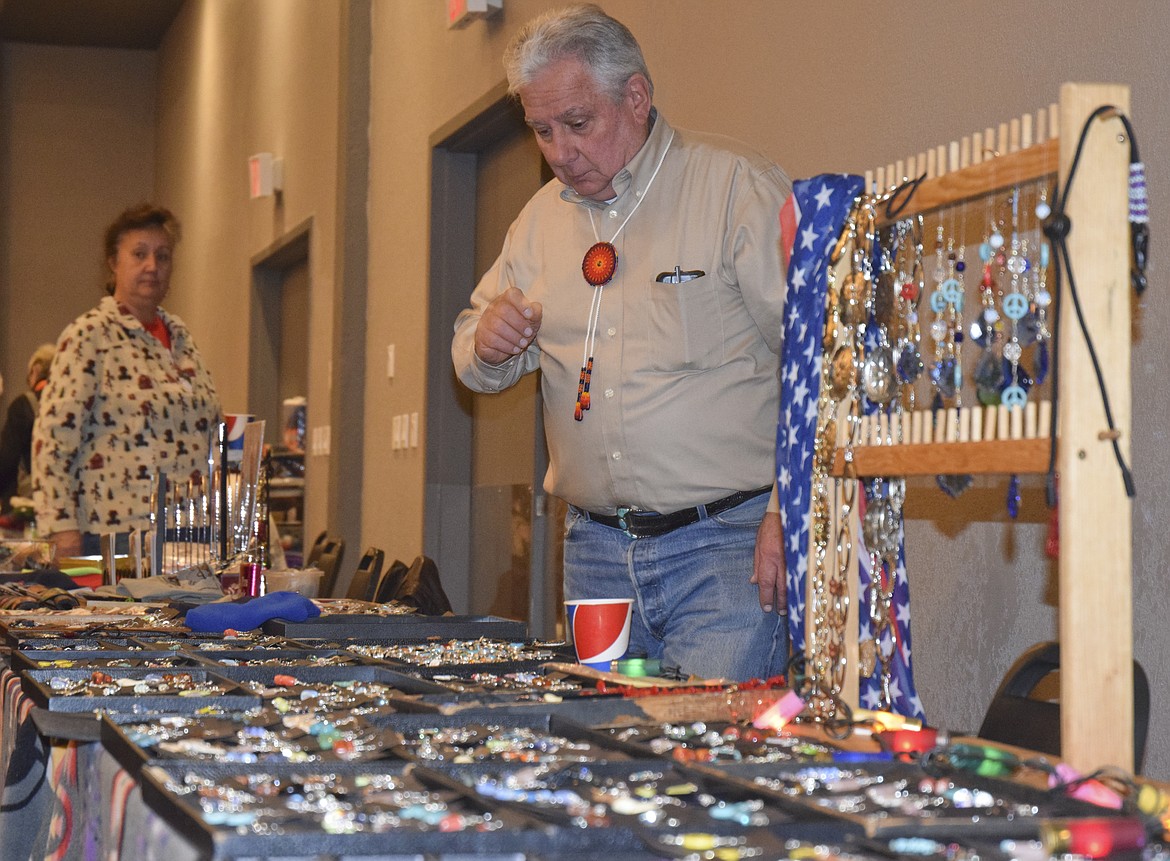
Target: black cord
point(1050, 489)
point(1057, 229)
point(908, 187)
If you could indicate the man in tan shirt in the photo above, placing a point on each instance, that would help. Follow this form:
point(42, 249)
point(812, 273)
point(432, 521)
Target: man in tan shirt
point(645, 282)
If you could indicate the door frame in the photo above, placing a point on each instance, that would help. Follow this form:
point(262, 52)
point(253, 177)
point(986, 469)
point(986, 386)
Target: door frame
point(447, 536)
point(269, 266)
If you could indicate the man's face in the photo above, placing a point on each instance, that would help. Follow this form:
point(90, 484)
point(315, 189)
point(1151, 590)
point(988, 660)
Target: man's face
point(585, 136)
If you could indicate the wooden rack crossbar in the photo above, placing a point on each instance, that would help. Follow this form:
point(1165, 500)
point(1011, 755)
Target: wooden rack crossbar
point(994, 457)
point(981, 440)
point(1023, 166)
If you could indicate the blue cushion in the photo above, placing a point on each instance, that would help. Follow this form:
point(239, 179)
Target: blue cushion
point(252, 614)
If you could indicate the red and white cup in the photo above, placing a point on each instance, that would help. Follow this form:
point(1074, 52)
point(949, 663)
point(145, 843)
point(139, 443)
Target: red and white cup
point(234, 432)
point(600, 628)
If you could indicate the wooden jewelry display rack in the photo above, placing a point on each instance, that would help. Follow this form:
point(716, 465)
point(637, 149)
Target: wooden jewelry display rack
point(1095, 613)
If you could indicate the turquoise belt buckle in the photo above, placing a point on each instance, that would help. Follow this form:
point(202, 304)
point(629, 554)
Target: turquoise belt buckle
point(622, 511)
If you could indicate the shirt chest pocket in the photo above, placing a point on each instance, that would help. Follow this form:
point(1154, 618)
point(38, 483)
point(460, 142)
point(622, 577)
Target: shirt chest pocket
point(684, 325)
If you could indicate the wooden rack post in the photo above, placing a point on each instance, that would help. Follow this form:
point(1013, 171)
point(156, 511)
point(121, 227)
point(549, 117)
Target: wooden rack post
point(1095, 614)
point(1096, 610)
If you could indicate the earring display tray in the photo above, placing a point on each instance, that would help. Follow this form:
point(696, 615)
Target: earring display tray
point(399, 627)
point(893, 798)
point(488, 735)
point(392, 809)
point(99, 659)
point(608, 793)
point(599, 708)
point(350, 809)
point(256, 736)
point(475, 682)
point(76, 644)
point(674, 811)
point(276, 658)
point(136, 690)
point(320, 690)
point(715, 742)
point(442, 653)
point(291, 663)
point(15, 631)
point(216, 642)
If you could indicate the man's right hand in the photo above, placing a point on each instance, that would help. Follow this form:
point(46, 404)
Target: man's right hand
point(508, 325)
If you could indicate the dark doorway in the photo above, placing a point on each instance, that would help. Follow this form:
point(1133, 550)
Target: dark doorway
point(488, 522)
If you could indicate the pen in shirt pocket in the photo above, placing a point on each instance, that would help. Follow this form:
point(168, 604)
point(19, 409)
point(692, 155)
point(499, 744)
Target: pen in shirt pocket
point(679, 275)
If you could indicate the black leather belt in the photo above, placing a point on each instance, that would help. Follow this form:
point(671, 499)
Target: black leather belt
point(637, 523)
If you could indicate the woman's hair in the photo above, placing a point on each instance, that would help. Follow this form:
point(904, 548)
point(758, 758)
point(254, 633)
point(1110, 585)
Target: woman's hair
point(606, 46)
point(138, 217)
point(43, 357)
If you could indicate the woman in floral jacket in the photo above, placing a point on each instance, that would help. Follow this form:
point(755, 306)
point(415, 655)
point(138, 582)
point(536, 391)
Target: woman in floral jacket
point(128, 394)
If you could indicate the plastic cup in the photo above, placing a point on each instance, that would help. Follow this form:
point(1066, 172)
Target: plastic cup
point(600, 628)
point(235, 434)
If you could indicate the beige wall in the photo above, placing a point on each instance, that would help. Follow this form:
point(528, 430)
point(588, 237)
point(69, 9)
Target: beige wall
point(76, 147)
point(818, 87)
point(237, 78)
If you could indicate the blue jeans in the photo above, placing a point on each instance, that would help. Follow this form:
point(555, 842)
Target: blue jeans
point(694, 608)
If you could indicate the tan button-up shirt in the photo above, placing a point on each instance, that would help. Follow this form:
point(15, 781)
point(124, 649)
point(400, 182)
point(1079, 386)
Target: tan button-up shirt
point(685, 385)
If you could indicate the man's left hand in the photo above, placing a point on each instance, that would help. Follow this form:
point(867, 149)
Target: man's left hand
point(769, 569)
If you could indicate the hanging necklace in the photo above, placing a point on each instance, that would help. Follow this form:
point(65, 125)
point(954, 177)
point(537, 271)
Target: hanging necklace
point(598, 266)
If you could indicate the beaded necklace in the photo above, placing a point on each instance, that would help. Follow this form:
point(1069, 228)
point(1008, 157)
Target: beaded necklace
point(598, 267)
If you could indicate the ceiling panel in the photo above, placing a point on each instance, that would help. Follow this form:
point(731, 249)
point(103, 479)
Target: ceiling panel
point(91, 23)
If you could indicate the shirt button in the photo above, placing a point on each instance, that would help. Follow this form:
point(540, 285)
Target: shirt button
point(617, 455)
point(613, 213)
point(611, 331)
point(609, 393)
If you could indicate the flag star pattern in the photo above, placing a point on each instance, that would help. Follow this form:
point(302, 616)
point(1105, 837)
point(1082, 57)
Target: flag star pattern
point(815, 214)
point(817, 208)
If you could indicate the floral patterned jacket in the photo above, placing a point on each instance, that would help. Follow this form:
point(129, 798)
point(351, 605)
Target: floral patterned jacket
point(118, 406)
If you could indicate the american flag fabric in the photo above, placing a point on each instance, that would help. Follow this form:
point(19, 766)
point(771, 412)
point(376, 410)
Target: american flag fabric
point(811, 221)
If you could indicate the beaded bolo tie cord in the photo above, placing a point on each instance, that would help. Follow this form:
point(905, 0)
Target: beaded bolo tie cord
point(598, 267)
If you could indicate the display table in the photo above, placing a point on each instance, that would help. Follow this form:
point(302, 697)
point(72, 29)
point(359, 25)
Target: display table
point(450, 748)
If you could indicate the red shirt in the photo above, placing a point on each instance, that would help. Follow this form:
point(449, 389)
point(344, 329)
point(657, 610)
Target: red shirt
point(159, 329)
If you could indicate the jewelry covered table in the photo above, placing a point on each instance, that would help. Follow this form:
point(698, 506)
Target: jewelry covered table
point(351, 750)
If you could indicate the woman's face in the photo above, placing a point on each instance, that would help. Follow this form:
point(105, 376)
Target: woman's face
point(142, 267)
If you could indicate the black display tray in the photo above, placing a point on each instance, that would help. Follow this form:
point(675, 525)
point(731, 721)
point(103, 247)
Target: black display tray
point(36, 685)
point(591, 709)
point(637, 739)
point(401, 627)
point(676, 801)
point(409, 726)
point(17, 633)
point(310, 678)
point(42, 659)
point(202, 641)
point(290, 659)
point(940, 822)
point(372, 671)
point(521, 836)
point(116, 738)
point(67, 726)
point(77, 644)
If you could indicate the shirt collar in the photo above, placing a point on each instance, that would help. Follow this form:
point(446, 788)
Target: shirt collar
point(125, 316)
point(634, 175)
